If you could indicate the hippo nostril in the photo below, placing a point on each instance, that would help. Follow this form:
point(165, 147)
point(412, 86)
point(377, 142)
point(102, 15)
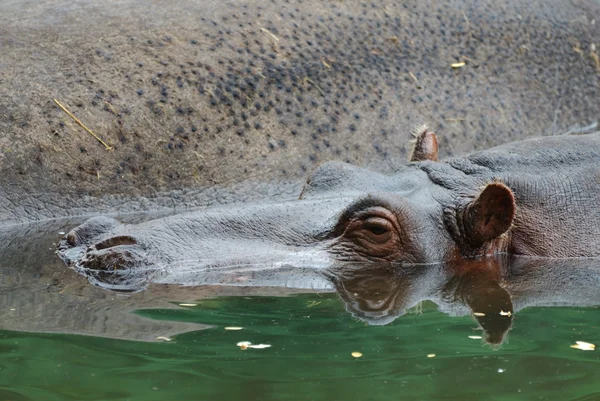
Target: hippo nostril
point(115, 241)
point(72, 239)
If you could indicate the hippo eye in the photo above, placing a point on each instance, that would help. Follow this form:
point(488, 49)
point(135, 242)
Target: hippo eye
point(377, 229)
point(373, 232)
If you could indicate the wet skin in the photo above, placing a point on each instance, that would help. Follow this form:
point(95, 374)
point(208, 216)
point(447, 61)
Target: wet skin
point(537, 197)
point(39, 296)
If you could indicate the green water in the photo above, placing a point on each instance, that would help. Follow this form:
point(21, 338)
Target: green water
point(312, 338)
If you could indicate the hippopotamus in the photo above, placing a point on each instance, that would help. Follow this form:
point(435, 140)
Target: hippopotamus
point(208, 102)
point(537, 197)
point(40, 295)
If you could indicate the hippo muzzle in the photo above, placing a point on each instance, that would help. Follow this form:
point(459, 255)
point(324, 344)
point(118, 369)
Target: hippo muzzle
point(236, 237)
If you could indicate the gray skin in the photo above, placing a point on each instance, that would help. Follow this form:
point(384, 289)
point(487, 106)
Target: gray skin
point(39, 296)
point(208, 102)
point(537, 197)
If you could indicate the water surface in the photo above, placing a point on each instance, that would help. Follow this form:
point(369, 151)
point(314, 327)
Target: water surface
point(312, 339)
point(63, 339)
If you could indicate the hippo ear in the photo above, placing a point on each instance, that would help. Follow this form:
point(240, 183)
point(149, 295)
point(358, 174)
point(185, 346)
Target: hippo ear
point(490, 215)
point(425, 145)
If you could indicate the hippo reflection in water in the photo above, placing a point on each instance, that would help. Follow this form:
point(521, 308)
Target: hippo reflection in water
point(537, 197)
point(40, 297)
point(491, 289)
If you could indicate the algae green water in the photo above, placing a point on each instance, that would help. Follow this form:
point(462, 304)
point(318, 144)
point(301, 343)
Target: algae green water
point(394, 316)
point(312, 338)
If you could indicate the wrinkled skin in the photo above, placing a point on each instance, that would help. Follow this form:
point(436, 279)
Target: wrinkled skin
point(207, 102)
point(40, 296)
point(537, 197)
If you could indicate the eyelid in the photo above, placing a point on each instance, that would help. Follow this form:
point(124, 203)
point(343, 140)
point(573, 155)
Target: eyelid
point(378, 221)
point(382, 214)
point(376, 211)
point(372, 206)
point(376, 245)
point(378, 217)
point(397, 213)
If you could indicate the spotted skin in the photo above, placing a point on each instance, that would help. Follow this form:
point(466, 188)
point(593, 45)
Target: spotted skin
point(232, 95)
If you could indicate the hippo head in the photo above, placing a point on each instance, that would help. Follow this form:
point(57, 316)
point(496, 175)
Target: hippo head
point(408, 218)
point(427, 212)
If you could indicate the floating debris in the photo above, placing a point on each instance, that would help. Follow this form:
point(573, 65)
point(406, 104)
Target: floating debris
point(502, 313)
point(458, 65)
point(244, 345)
point(61, 233)
point(233, 328)
point(478, 314)
point(314, 303)
point(260, 346)
point(430, 355)
point(475, 337)
point(500, 370)
point(167, 339)
point(356, 354)
point(582, 345)
point(188, 304)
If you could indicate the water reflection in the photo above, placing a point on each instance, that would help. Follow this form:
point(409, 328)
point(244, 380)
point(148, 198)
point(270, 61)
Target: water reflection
point(378, 295)
point(39, 294)
point(491, 290)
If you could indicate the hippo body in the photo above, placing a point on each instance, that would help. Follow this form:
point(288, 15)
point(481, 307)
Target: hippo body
point(537, 197)
point(205, 102)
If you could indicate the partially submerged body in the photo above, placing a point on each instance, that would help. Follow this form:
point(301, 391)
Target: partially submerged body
point(40, 295)
point(536, 197)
